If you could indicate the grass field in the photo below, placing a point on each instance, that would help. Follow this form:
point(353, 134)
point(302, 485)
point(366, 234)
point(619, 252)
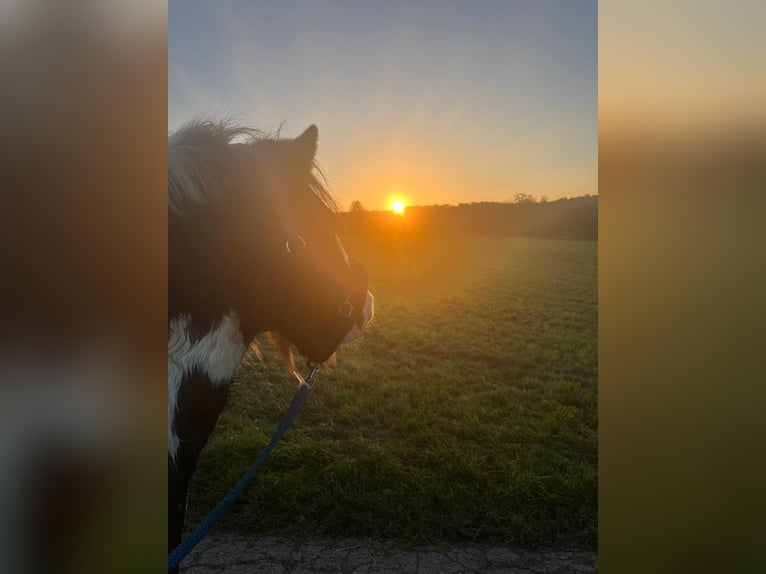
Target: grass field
point(469, 410)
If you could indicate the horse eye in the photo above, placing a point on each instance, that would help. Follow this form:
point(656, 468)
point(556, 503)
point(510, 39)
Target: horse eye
point(295, 245)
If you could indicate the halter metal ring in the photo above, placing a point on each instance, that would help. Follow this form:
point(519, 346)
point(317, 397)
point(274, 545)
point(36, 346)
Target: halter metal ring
point(294, 250)
point(312, 375)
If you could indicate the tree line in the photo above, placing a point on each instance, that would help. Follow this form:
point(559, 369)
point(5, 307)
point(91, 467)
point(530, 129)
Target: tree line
point(525, 216)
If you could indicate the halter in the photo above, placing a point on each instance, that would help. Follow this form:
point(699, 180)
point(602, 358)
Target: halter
point(295, 246)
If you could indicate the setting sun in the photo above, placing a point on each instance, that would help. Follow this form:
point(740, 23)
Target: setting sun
point(397, 206)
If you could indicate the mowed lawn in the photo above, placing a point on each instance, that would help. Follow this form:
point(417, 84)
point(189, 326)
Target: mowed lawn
point(469, 410)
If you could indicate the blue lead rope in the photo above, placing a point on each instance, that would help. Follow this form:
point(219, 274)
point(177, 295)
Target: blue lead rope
point(182, 550)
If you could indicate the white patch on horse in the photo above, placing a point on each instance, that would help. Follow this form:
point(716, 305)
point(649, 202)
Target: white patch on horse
point(218, 354)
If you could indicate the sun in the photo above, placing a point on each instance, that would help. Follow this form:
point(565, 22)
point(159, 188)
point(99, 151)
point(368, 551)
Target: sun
point(397, 206)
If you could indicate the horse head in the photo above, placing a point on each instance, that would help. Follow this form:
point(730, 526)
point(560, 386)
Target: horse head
point(253, 234)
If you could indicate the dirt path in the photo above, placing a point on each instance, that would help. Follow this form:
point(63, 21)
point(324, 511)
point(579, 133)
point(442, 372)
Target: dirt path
point(270, 555)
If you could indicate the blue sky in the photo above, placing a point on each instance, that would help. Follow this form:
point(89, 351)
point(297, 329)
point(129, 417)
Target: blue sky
point(436, 101)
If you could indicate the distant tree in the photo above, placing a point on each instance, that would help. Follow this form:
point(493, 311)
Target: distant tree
point(543, 199)
point(357, 207)
point(523, 198)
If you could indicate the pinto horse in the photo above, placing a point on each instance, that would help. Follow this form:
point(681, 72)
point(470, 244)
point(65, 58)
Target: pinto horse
point(252, 248)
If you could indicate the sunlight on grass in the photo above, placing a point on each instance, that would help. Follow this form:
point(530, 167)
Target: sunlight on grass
point(468, 410)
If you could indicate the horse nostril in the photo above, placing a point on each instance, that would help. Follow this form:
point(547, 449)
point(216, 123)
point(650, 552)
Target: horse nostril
point(347, 307)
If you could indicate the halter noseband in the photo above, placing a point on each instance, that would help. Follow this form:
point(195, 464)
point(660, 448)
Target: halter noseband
point(295, 245)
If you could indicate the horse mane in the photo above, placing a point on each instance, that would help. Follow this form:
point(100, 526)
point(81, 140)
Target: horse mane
point(200, 152)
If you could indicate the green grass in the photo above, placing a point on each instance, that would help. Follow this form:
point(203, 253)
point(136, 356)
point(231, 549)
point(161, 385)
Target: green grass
point(468, 410)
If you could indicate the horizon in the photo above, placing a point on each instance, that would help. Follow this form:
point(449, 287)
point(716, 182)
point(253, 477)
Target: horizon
point(424, 104)
point(532, 200)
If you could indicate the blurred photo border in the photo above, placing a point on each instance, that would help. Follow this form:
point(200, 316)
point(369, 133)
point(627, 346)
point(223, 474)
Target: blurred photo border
point(681, 283)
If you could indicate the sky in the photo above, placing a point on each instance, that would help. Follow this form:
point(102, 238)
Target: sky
point(434, 102)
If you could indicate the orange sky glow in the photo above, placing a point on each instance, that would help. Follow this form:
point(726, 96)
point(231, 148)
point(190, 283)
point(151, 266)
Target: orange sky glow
point(438, 102)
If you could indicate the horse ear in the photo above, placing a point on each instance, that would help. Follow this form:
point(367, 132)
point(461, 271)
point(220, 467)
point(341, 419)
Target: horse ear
point(307, 143)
